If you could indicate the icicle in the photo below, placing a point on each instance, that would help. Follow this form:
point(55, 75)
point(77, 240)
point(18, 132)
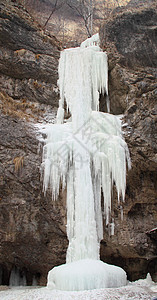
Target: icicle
point(17, 278)
point(112, 226)
point(60, 112)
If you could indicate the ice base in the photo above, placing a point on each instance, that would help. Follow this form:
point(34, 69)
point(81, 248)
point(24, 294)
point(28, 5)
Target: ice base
point(86, 274)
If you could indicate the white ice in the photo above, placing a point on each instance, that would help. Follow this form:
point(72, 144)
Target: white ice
point(93, 40)
point(86, 274)
point(87, 154)
point(17, 278)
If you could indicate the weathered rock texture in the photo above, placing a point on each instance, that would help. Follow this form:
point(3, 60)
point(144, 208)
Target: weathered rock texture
point(32, 234)
point(28, 57)
point(130, 38)
point(32, 228)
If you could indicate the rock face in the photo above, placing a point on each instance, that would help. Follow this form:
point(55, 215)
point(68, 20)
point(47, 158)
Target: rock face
point(33, 228)
point(135, 38)
point(130, 39)
point(28, 57)
point(33, 235)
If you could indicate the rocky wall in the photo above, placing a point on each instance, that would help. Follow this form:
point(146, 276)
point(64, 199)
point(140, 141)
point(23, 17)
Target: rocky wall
point(28, 57)
point(130, 39)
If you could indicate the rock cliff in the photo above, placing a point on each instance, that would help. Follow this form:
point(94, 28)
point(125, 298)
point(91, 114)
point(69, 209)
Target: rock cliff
point(33, 229)
point(28, 57)
point(130, 39)
point(33, 234)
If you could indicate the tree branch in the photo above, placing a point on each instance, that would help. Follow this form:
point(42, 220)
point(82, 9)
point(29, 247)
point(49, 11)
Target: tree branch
point(52, 12)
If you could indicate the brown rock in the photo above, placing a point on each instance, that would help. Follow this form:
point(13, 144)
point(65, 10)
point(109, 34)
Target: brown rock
point(28, 57)
point(133, 92)
point(32, 236)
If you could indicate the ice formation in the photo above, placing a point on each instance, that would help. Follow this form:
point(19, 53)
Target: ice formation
point(17, 278)
point(87, 154)
point(86, 274)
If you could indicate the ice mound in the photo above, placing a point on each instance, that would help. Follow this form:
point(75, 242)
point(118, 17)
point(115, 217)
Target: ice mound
point(86, 274)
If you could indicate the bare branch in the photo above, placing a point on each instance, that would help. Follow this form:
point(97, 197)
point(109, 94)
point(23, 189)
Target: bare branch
point(53, 10)
point(84, 8)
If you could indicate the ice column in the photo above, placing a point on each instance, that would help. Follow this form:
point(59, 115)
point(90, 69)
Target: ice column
point(87, 154)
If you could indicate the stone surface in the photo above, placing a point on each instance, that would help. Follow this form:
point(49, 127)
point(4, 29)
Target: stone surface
point(28, 57)
point(32, 236)
point(130, 40)
point(134, 35)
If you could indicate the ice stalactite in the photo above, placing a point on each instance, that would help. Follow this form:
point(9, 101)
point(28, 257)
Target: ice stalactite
point(17, 278)
point(87, 154)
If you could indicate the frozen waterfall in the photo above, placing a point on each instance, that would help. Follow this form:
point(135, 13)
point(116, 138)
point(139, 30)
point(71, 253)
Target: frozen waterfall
point(87, 154)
